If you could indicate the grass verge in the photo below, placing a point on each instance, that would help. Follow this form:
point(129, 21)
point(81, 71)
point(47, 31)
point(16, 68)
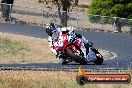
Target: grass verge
point(17, 49)
point(43, 79)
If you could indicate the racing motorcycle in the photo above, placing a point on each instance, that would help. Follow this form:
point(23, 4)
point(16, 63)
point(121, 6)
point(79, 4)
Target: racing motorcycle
point(73, 51)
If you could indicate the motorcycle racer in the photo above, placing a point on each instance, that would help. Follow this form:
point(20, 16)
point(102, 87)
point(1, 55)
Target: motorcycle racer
point(55, 39)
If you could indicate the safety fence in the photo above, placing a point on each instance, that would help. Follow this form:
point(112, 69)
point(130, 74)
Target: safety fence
point(42, 16)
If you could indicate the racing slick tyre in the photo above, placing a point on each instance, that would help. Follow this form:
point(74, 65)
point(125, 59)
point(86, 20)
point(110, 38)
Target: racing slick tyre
point(78, 58)
point(99, 59)
point(64, 62)
point(81, 80)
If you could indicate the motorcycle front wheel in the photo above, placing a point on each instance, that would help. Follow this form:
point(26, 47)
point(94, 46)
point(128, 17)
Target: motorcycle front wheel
point(99, 59)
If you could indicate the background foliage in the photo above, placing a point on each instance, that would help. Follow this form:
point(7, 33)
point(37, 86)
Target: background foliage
point(111, 8)
point(116, 8)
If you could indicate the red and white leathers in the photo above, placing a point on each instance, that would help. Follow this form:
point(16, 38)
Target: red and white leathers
point(56, 38)
point(57, 41)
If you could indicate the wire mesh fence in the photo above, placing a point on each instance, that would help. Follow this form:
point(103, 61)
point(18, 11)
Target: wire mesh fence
point(39, 16)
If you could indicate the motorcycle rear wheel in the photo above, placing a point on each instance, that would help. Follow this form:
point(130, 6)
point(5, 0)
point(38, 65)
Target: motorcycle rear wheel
point(63, 61)
point(77, 58)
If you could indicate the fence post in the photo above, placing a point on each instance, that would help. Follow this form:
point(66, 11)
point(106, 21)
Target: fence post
point(42, 24)
point(10, 12)
point(6, 11)
point(77, 20)
point(130, 30)
point(117, 25)
point(114, 26)
point(130, 25)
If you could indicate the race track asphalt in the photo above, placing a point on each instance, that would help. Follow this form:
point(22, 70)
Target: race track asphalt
point(119, 43)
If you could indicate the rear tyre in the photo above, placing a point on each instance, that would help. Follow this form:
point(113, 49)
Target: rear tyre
point(63, 61)
point(76, 58)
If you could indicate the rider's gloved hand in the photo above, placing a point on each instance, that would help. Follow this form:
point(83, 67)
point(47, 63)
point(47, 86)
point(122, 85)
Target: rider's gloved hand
point(78, 35)
point(90, 44)
point(54, 51)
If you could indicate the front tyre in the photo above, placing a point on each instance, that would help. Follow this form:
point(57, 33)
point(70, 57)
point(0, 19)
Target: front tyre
point(99, 59)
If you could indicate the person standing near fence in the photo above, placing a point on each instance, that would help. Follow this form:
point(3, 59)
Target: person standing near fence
point(6, 7)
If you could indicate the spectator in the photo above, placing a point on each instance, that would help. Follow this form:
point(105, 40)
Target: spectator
point(6, 9)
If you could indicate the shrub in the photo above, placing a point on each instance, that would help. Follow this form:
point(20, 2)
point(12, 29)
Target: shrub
point(110, 8)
